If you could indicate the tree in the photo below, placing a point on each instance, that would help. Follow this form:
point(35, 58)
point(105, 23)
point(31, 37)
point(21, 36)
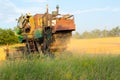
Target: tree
point(105, 33)
point(86, 34)
point(76, 35)
point(7, 36)
point(115, 32)
point(96, 33)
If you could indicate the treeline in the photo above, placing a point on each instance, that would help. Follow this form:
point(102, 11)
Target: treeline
point(7, 36)
point(115, 32)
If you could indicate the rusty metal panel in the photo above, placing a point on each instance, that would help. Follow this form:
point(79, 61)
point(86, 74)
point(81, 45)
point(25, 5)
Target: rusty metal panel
point(37, 20)
point(64, 24)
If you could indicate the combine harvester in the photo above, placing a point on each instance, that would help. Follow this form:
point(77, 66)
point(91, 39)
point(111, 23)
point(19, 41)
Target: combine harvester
point(46, 33)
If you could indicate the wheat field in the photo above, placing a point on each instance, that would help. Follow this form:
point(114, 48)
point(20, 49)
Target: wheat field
point(95, 46)
point(11, 49)
point(92, 46)
point(2, 53)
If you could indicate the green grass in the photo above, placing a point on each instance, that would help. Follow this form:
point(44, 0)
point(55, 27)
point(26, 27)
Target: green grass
point(62, 67)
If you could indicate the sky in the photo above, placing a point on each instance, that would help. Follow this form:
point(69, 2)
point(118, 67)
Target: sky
point(88, 14)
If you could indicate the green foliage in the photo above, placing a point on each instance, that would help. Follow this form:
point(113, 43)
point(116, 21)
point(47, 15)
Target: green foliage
point(7, 36)
point(76, 35)
point(63, 67)
point(115, 32)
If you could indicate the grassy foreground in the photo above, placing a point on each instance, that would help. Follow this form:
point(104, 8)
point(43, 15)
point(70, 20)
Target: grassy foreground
point(62, 67)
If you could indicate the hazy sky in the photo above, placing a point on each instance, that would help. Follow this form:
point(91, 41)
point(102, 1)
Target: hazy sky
point(89, 14)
